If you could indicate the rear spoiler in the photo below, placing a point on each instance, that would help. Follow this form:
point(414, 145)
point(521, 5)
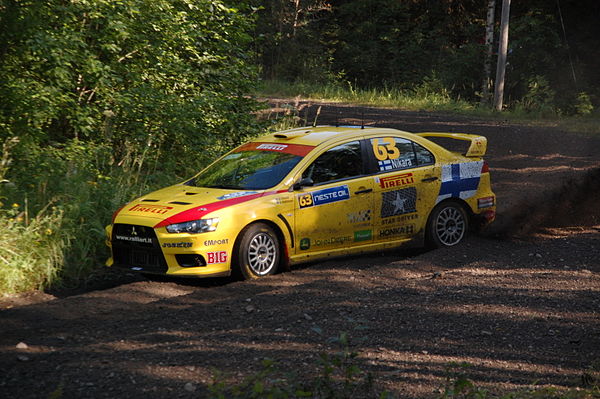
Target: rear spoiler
point(478, 143)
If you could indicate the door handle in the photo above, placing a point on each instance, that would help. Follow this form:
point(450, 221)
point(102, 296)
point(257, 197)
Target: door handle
point(428, 179)
point(368, 190)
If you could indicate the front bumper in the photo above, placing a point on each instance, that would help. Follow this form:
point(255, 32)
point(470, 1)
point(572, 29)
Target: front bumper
point(144, 249)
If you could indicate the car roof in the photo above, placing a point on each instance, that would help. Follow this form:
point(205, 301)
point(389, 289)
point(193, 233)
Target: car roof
point(314, 136)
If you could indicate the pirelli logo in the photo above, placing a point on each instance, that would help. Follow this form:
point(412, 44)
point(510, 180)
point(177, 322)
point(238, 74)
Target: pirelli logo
point(159, 209)
point(400, 180)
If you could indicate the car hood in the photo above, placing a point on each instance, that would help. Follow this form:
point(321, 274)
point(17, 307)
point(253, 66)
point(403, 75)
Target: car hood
point(176, 203)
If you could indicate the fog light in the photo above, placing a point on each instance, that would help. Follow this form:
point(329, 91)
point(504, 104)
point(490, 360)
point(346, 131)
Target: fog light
point(190, 260)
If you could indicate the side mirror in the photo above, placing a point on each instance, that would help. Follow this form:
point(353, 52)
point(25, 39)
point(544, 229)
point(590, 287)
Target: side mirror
point(305, 182)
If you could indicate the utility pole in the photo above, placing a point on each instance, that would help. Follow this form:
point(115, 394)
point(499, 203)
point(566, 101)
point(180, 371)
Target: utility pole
point(502, 50)
point(487, 64)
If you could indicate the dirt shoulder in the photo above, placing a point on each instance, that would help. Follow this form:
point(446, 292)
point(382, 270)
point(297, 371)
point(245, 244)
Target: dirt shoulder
point(520, 304)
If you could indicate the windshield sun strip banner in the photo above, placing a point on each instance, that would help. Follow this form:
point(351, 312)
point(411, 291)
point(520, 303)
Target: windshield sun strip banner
point(200, 211)
point(294, 149)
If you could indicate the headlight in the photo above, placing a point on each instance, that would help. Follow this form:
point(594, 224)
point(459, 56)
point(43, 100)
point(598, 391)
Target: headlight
point(195, 226)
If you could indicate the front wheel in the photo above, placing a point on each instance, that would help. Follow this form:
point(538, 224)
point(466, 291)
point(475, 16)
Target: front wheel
point(447, 226)
point(258, 253)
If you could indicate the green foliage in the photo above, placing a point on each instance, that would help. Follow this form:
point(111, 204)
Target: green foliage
point(432, 88)
point(162, 73)
point(458, 385)
point(103, 100)
point(287, 115)
point(389, 43)
point(72, 190)
point(576, 104)
point(373, 43)
point(583, 104)
point(337, 376)
point(431, 95)
point(57, 393)
point(534, 46)
point(289, 37)
point(539, 97)
point(31, 248)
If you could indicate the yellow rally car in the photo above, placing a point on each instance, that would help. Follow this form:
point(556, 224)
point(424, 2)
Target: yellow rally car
point(305, 194)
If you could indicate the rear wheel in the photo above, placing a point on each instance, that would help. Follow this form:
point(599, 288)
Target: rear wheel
point(447, 226)
point(258, 253)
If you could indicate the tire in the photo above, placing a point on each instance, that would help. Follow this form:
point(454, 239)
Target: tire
point(448, 225)
point(259, 252)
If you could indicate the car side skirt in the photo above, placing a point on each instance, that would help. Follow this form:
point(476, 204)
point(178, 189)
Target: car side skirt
point(409, 242)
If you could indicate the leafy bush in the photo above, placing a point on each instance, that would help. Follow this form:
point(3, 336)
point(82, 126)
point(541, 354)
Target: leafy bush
point(104, 100)
point(539, 97)
point(583, 104)
point(136, 73)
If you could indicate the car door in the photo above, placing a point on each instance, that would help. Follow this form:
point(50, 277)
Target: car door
point(406, 186)
point(336, 210)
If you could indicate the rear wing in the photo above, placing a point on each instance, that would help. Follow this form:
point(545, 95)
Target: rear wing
point(477, 147)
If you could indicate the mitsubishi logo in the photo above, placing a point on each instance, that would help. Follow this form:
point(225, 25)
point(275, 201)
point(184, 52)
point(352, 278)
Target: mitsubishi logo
point(133, 232)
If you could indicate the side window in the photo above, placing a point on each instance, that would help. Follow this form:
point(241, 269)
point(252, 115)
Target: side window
point(424, 157)
point(340, 162)
point(393, 153)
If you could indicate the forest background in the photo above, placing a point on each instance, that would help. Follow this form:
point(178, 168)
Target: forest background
point(104, 100)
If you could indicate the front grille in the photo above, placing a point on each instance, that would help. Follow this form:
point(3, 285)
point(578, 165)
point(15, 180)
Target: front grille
point(137, 248)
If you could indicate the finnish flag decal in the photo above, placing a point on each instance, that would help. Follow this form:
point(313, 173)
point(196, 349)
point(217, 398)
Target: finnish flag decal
point(460, 180)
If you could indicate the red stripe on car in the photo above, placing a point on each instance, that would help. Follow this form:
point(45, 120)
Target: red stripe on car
point(200, 211)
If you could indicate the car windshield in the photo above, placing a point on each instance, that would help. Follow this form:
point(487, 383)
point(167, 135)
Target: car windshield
point(247, 170)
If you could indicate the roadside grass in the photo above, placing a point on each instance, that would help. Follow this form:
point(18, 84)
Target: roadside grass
point(30, 249)
point(52, 227)
point(429, 96)
point(585, 125)
point(65, 193)
point(60, 245)
point(64, 196)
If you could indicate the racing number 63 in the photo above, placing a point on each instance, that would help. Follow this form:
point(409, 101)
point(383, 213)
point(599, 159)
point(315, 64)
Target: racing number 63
point(305, 200)
point(387, 150)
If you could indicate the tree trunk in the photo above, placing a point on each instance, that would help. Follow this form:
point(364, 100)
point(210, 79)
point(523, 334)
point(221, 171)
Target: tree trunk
point(487, 65)
point(502, 50)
